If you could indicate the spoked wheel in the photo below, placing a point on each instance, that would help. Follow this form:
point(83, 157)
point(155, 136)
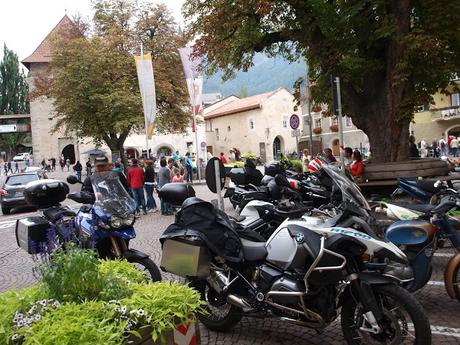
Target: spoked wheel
point(221, 315)
point(148, 267)
point(404, 320)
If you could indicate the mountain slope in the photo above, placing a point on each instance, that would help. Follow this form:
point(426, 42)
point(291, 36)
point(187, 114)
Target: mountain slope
point(267, 74)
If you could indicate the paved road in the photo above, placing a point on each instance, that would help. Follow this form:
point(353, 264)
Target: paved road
point(16, 271)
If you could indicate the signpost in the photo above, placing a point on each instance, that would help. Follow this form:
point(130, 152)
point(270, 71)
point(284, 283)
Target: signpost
point(8, 129)
point(335, 81)
point(294, 122)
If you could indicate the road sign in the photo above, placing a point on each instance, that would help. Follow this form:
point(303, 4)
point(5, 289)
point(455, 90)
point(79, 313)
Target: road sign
point(295, 133)
point(294, 121)
point(8, 128)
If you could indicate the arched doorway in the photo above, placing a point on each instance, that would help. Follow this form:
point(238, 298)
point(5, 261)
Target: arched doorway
point(277, 148)
point(164, 151)
point(335, 147)
point(455, 131)
point(69, 153)
point(132, 153)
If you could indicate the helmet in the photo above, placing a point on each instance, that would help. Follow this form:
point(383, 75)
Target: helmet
point(315, 165)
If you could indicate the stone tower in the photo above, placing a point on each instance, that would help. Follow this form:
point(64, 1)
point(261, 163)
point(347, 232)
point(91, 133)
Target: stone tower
point(45, 144)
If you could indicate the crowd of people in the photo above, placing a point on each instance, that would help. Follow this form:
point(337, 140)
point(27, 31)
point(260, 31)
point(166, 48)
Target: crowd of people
point(443, 147)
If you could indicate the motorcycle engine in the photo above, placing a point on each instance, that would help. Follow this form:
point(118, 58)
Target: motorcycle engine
point(286, 284)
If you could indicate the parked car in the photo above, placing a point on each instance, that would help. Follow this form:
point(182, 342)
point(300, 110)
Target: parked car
point(21, 156)
point(11, 194)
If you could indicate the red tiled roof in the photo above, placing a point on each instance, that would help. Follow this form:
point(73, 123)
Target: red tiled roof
point(43, 51)
point(239, 105)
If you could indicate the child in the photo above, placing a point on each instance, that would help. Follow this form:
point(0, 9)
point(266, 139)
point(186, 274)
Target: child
point(177, 178)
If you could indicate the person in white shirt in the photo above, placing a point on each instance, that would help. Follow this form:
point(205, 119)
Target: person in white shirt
point(454, 146)
point(423, 150)
point(305, 160)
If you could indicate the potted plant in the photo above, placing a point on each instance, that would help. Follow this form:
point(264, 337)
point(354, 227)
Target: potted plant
point(83, 300)
point(334, 128)
point(317, 130)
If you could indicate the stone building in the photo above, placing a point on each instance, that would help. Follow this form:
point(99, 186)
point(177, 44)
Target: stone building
point(45, 144)
point(258, 124)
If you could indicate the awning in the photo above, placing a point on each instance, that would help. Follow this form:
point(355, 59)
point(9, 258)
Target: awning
point(94, 152)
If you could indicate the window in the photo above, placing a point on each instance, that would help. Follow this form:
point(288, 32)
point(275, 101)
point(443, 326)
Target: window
point(455, 99)
point(318, 123)
point(334, 120)
point(251, 124)
point(208, 126)
point(422, 108)
point(229, 129)
point(285, 121)
point(348, 122)
point(216, 131)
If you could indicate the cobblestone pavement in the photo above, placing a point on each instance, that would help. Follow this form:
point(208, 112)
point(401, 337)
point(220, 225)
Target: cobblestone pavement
point(16, 271)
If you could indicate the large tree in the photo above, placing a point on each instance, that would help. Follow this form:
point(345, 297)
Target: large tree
point(94, 83)
point(391, 55)
point(13, 98)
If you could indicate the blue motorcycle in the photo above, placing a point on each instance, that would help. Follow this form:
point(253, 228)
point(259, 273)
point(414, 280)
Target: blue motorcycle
point(421, 237)
point(422, 190)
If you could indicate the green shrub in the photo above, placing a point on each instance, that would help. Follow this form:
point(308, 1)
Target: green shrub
point(235, 165)
point(249, 155)
point(296, 165)
point(122, 269)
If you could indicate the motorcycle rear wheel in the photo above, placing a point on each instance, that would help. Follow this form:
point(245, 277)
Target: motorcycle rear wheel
point(221, 315)
point(148, 267)
point(397, 305)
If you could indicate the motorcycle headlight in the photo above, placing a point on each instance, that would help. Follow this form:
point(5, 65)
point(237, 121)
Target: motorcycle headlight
point(129, 220)
point(116, 222)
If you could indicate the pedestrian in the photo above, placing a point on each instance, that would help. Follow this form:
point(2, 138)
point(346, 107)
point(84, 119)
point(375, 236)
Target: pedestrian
point(357, 166)
point(120, 162)
point(27, 162)
point(423, 150)
point(117, 167)
point(413, 150)
point(231, 156)
point(53, 164)
point(454, 146)
point(305, 160)
point(136, 182)
point(176, 156)
point(88, 167)
point(329, 157)
point(16, 167)
point(348, 156)
point(435, 148)
point(177, 177)
point(9, 167)
point(189, 167)
point(149, 186)
point(443, 146)
point(164, 177)
point(67, 163)
point(5, 167)
point(78, 169)
point(222, 158)
point(449, 148)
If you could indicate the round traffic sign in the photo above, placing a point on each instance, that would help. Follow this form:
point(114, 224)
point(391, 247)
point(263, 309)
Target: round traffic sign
point(294, 121)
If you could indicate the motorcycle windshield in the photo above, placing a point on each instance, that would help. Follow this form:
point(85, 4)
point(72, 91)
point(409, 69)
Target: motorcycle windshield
point(111, 197)
point(350, 191)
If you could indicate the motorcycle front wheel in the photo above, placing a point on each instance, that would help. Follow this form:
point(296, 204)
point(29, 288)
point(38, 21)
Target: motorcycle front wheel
point(221, 316)
point(404, 320)
point(147, 266)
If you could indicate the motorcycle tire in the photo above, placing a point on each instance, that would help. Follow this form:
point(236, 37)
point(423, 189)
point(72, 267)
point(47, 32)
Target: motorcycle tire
point(352, 319)
point(456, 282)
point(211, 320)
point(149, 266)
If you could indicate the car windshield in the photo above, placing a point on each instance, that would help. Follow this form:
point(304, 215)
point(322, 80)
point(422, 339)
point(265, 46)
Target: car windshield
point(350, 191)
point(18, 180)
point(111, 197)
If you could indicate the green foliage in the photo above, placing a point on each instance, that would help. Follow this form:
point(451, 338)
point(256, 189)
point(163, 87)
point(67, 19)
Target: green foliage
point(77, 323)
point(235, 164)
point(123, 269)
point(165, 305)
point(296, 165)
point(249, 155)
point(381, 51)
point(76, 275)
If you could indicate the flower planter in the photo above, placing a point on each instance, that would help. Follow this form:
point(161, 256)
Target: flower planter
point(317, 130)
point(334, 128)
point(183, 334)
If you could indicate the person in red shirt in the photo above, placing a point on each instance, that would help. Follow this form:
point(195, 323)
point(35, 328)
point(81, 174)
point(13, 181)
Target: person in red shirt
point(222, 158)
point(136, 182)
point(357, 167)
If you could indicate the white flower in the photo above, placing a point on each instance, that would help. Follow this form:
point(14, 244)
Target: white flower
point(42, 302)
point(127, 282)
point(37, 317)
point(44, 309)
point(19, 315)
point(141, 312)
point(117, 310)
point(21, 323)
point(15, 337)
point(123, 309)
point(55, 304)
point(116, 320)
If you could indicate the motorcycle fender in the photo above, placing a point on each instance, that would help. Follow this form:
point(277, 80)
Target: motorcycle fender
point(449, 275)
point(135, 254)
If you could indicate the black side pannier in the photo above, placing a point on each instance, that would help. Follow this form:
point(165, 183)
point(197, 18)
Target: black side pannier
point(46, 193)
point(274, 168)
point(244, 176)
point(198, 218)
point(33, 234)
point(176, 193)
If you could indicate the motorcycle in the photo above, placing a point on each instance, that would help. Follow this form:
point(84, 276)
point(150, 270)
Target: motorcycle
point(420, 238)
point(104, 221)
point(303, 274)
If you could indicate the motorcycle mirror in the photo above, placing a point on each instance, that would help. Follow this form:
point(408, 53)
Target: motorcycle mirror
point(437, 184)
point(72, 179)
point(282, 181)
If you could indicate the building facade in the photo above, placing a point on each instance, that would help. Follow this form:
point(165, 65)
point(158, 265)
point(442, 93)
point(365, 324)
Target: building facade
point(258, 124)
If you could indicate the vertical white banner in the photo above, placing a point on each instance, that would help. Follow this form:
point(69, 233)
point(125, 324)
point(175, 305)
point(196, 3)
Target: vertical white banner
point(147, 87)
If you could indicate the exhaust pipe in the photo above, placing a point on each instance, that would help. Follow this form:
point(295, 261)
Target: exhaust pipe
point(239, 302)
point(218, 281)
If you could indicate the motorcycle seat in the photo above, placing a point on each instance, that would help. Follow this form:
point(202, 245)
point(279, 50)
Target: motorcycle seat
point(53, 214)
point(424, 208)
point(253, 251)
point(428, 186)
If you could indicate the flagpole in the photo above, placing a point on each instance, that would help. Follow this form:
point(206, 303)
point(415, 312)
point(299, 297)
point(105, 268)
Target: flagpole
point(196, 130)
point(145, 117)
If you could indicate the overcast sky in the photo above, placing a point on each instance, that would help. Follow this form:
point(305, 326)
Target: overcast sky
point(25, 23)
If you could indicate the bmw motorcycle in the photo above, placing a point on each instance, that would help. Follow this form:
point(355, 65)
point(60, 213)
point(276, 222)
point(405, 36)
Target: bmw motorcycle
point(306, 273)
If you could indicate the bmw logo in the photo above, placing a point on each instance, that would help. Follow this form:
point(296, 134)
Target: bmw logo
point(299, 237)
